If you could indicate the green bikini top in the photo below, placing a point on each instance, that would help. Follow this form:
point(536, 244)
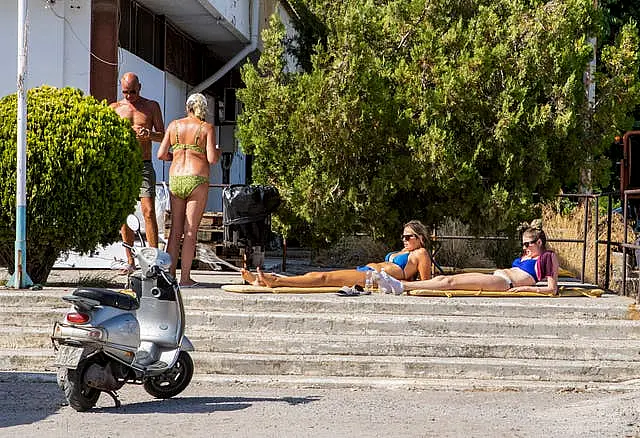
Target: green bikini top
point(183, 146)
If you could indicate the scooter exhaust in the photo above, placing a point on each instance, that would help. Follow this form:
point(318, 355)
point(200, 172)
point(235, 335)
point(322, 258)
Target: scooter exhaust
point(102, 378)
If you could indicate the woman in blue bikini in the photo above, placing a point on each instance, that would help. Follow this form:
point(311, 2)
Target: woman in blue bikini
point(412, 260)
point(190, 144)
point(536, 263)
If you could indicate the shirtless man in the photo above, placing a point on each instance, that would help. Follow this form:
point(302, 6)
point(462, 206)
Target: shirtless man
point(146, 118)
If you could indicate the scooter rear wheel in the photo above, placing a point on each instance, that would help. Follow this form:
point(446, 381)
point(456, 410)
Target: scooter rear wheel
point(173, 381)
point(78, 394)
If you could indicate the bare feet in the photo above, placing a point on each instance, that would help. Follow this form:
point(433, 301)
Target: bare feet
point(250, 278)
point(387, 283)
point(266, 278)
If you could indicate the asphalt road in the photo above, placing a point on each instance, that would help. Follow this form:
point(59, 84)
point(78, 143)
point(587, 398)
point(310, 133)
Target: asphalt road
point(38, 409)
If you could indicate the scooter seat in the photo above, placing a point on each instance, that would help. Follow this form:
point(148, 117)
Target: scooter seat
point(108, 297)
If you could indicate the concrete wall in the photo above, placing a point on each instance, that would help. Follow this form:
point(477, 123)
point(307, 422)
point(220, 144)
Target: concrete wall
point(235, 12)
point(58, 44)
point(287, 21)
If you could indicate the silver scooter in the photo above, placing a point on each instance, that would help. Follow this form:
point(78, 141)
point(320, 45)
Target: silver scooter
point(109, 338)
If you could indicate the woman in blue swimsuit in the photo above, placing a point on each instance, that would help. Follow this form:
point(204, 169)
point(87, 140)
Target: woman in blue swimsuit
point(536, 263)
point(412, 260)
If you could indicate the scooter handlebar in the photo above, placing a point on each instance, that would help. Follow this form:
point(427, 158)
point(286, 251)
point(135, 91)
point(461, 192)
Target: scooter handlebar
point(155, 271)
point(165, 276)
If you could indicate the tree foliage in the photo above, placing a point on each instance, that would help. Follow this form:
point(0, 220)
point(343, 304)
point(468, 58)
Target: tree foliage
point(83, 176)
point(412, 109)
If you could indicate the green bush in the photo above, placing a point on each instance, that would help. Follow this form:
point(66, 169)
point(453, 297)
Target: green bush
point(83, 176)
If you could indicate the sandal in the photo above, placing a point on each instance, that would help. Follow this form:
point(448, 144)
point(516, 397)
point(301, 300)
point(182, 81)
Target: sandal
point(354, 291)
point(190, 285)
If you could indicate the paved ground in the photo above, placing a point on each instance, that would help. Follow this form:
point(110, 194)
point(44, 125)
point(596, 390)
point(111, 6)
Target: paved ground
point(32, 409)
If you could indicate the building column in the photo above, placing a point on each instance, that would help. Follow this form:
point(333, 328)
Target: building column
point(103, 82)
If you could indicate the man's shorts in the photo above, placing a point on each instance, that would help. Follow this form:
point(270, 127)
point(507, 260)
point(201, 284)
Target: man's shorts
point(148, 188)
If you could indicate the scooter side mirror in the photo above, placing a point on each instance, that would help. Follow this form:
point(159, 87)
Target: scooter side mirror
point(133, 222)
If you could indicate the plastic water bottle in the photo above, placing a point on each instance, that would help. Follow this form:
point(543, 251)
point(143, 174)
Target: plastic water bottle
point(368, 281)
point(383, 290)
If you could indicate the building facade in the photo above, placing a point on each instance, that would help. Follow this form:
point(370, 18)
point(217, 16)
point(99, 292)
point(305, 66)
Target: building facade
point(175, 47)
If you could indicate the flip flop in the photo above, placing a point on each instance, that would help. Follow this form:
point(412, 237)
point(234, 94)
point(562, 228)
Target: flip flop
point(190, 286)
point(354, 291)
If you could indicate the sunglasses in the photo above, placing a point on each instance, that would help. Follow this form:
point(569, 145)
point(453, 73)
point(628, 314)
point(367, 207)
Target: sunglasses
point(133, 92)
point(408, 236)
point(528, 244)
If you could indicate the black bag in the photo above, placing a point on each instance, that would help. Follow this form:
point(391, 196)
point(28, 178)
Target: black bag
point(246, 214)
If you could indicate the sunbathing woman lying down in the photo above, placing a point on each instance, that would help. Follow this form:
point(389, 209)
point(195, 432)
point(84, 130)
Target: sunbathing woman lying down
point(402, 265)
point(536, 263)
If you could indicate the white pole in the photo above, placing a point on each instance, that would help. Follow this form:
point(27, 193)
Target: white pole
point(591, 91)
point(20, 279)
point(590, 85)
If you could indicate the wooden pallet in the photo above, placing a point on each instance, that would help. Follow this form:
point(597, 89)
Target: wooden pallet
point(210, 230)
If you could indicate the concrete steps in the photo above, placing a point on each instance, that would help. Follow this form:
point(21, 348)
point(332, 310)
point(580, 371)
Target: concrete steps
point(410, 341)
point(385, 345)
point(417, 367)
point(606, 307)
point(409, 367)
point(377, 345)
point(415, 325)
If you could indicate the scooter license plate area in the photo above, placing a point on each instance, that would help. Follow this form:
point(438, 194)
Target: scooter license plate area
point(68, 356)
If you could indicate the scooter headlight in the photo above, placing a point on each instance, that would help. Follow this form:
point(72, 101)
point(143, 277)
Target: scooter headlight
point(148, 255)
point(153, 257)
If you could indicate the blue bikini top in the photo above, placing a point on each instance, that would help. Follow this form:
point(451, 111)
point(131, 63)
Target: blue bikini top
point(401, 258)
point(527, 265)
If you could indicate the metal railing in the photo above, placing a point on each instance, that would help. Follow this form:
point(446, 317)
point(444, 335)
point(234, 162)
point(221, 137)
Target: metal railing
point(625, 244)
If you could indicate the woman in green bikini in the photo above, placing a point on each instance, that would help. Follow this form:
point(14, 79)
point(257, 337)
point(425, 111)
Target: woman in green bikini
point(190, 144)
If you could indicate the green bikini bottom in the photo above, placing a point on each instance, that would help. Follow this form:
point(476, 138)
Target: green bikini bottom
point(183, 185)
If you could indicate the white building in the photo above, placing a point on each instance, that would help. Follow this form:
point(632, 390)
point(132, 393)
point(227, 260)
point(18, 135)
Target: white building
point(175, 47)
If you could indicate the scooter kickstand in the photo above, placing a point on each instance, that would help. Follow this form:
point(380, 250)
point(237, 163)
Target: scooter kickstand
point(114, 396)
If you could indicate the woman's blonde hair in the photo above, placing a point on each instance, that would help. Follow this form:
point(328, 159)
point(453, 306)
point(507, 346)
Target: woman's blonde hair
point(197, 104)
point(420, 230)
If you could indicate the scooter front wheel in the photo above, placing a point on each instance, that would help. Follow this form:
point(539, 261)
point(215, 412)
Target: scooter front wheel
point(173, 381)
point(78, 394)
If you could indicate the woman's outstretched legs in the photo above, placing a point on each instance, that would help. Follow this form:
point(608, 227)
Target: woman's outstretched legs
point(467, 281)
point(346, 277)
